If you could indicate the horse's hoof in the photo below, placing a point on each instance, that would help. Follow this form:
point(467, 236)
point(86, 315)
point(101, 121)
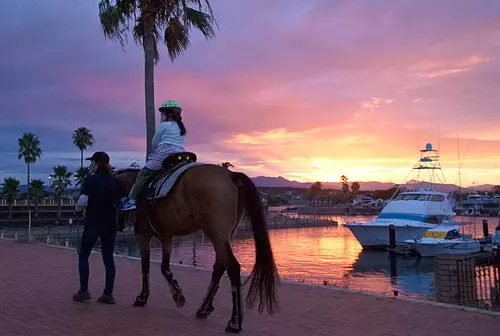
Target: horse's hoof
point(180, 300)
point(232, 330)
point(204, 314)
point(139, 302)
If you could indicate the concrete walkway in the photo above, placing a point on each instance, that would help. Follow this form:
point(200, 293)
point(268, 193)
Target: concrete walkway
point(37, 282)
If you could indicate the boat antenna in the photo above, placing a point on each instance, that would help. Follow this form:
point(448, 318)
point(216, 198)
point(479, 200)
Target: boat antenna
point(439, 142)
point(418, 148)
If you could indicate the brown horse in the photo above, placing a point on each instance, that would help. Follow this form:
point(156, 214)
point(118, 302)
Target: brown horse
point(212, 199)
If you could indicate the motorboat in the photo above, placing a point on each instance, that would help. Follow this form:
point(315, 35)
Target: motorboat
point(444, 239)
point(413, 211)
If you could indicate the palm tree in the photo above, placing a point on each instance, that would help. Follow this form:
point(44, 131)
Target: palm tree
point(10, 192)
point(37, 192)
point(83, 139)
point(29, 149)
point(61, 179)
point(80, 175)
point(154, 21)
point(355, 186)
point(226, 164)
point(315, 190)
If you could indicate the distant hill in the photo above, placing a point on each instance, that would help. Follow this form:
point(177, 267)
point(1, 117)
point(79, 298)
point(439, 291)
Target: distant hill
point(281, 182)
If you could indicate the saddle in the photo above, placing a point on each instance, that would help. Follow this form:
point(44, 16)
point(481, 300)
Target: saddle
point(173, 165)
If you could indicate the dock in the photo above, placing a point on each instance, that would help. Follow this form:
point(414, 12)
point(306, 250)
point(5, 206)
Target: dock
point(37, 284)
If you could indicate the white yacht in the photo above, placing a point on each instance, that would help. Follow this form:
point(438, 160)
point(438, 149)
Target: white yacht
point(444, 239)
point(412, 212)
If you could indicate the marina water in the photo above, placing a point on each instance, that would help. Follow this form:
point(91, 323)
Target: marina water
point(322, 255)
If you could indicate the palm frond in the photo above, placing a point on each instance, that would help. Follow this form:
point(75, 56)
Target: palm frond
point(29, 148)
point(83, 138)
point(173, 19)
point(37, 189)
point(115, 17)
point(200, 20)
point(10, 189)
point(177, 38)
point(80, 175)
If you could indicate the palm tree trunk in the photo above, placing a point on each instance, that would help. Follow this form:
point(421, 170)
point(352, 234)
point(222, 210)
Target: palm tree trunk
point(37, 215)
point(149, 78)
point(10, 211)
point(59, 205)
point(81, 158)
point(28, 186)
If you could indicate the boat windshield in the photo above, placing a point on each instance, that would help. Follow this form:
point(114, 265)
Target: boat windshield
point(420, 197)
point(453, 234)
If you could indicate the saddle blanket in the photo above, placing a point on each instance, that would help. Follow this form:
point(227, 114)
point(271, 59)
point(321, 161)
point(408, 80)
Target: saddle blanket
point(163, 185)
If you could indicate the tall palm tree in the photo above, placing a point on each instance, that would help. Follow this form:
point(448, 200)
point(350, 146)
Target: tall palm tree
point(37, 192)
point(154, 21)
point(10, 192)
point(30, 151)
point(61, 179)
point(83, 139)
point(80, 175)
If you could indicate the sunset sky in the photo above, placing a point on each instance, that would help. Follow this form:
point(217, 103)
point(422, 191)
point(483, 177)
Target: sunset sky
point(307, 90)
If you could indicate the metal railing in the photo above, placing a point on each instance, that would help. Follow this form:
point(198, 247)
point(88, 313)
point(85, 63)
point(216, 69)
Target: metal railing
point(478, 280)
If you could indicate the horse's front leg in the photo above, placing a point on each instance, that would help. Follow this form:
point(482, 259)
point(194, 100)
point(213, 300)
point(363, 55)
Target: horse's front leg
point(144, 242)
point(175, 289)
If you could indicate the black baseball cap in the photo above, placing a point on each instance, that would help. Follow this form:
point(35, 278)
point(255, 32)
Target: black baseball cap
point(99, 157)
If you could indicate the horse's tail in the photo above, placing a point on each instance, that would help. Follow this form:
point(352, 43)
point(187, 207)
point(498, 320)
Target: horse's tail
point(264, 274)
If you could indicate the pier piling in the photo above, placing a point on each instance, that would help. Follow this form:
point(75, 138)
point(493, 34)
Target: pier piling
point(486, 232)
point(392, 236)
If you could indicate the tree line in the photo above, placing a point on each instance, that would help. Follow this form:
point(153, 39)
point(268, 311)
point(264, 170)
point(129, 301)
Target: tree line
point(29, 150)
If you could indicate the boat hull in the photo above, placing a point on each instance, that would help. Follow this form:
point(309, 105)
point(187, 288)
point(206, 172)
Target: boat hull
point(377, 236)
point(437, 248)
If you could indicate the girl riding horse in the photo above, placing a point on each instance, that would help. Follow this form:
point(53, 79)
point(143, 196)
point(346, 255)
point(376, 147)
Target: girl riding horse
point(168, 139)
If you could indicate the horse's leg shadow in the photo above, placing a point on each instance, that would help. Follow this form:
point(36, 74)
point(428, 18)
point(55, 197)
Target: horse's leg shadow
point(144, 241)
point(173, 284)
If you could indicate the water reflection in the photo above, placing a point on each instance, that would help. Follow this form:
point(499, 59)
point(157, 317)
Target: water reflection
point(318, 255)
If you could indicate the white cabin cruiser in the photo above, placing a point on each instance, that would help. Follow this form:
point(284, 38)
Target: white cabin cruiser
point(444, 239)
point(411, 212)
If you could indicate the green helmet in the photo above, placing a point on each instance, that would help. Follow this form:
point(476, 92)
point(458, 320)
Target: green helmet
point(171, 105)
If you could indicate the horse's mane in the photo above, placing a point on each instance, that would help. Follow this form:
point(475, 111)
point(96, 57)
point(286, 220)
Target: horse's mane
point(127, 170)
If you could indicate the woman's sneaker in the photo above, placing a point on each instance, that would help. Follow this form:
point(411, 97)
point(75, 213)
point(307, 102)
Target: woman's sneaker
point(82, 296)
point(128, 205)
point(106, 298)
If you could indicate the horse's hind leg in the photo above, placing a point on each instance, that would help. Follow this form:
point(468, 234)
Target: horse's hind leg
point(218, 271)
point(144, 241)
point(175, 289)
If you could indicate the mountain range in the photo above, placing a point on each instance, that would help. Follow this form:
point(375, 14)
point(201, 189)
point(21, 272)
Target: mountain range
point(281, 182)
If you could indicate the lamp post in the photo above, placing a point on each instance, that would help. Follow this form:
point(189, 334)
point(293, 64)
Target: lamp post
point(50, 184)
